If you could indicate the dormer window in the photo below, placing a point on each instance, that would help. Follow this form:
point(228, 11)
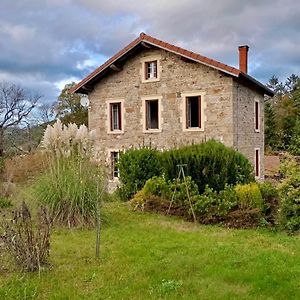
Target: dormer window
point(151, 69)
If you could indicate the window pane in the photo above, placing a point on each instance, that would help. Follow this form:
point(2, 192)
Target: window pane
point(193, 112)
point(257, 162)
point(116, 116)
point(152, 114)
point(256, 116)
point(151, 69)
point(114, 164)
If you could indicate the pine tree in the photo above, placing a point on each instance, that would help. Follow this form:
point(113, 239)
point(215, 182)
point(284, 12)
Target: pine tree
point(271, 136)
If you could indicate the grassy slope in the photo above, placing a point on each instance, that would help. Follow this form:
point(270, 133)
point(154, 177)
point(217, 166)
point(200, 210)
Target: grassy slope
point(139, 251)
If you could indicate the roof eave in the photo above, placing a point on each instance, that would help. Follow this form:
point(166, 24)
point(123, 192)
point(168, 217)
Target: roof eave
point(266, 90)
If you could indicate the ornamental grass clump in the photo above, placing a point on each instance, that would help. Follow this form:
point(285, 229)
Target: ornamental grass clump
point(72, 183)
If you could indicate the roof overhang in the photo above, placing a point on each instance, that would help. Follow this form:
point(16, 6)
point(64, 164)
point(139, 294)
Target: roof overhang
point(86, 85)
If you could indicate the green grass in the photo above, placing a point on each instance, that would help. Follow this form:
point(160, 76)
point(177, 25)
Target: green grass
point(148, 256)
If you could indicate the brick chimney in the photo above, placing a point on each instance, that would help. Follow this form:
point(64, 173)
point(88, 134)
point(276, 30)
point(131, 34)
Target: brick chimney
point(243, 51)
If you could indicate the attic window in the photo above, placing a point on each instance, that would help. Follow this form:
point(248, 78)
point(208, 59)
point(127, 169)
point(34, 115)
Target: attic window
point(151, 70)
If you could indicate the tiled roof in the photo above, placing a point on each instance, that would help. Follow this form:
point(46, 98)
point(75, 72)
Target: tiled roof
point(172, 48)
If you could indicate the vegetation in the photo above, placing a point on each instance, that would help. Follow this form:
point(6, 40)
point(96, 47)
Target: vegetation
point(68, 108)
point(289, 189)
point(148, 256)
point(28, 245)
point(209, 163)
point(16, 103)
point(136, 167)
point(72, 183)
point(282, 115)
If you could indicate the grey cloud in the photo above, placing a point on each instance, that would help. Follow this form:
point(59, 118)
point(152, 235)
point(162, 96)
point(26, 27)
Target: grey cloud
point(43, 42)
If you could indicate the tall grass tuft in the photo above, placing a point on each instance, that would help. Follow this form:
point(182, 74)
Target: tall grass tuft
point(72, 183)
point(26, 241)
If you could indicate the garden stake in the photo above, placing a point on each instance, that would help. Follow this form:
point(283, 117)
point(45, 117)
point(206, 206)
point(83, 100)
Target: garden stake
point(181, 172)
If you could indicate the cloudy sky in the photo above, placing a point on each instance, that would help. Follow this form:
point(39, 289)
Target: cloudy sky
point(47, 43)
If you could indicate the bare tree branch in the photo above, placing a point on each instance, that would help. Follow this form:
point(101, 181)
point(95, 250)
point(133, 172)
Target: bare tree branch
point(16, 103)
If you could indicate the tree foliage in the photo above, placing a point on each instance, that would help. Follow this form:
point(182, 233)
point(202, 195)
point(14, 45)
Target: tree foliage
point(282, 113)
point(68, 107)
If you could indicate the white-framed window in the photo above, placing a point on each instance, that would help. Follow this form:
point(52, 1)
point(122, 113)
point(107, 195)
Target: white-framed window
point(193, 117)
point(257, 162)
point(151, 113)
point(115, 116)
point(151, 68)
point(114, 159)
point(256, 116)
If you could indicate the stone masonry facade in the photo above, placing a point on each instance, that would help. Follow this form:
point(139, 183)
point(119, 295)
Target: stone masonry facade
point(227, 107)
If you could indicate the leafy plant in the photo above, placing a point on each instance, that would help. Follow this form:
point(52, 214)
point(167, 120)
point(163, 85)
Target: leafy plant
point(215, 204)
point(136, 167)
point(249, 196)
point(26, 242)
point(209, 163)
point(289, 191)
point(5, 202)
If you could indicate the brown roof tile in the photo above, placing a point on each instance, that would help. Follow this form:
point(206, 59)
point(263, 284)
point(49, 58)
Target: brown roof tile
point(146, 38)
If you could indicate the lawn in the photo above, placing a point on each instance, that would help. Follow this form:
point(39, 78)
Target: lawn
point(149, 256)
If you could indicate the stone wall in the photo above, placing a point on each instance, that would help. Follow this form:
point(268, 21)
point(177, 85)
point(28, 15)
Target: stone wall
point(224, 102)
point(246, 139)
point(177, 77)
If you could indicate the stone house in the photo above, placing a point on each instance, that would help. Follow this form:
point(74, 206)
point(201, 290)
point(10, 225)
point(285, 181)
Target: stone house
point(155, 93)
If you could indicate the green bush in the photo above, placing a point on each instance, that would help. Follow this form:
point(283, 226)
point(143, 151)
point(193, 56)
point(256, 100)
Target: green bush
point(289, 191)
point(268, 191)
point(136, 167)
point(249, 196)
point(209, 163)
point(215, 204)
point(5, 202)
point(175, 190)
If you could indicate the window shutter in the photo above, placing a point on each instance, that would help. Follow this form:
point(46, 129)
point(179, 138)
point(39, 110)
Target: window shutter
point(199, 111)
point(187, 112)
point(111, 117)
point(120, 115)
point(257, 162)
point(256, 115)
point(147, 114)
point(146, 70)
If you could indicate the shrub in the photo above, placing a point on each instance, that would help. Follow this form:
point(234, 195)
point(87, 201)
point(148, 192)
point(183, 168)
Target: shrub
point(215, 204)
point(289, 191)
point(5, 202)
point(268, 191)
point(28, 243)
point(209, 163)
point(249, 196)
point(72, 185)
point(136, 167)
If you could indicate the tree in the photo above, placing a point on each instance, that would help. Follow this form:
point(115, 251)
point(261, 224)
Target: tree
point(68, 107)
point(271, 136)
point(16, 103)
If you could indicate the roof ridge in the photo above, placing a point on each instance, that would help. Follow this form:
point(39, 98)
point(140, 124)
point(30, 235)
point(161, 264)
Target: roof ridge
point(143, 37)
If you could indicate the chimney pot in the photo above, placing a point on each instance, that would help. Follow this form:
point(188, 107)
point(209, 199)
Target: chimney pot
point(243, 55)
